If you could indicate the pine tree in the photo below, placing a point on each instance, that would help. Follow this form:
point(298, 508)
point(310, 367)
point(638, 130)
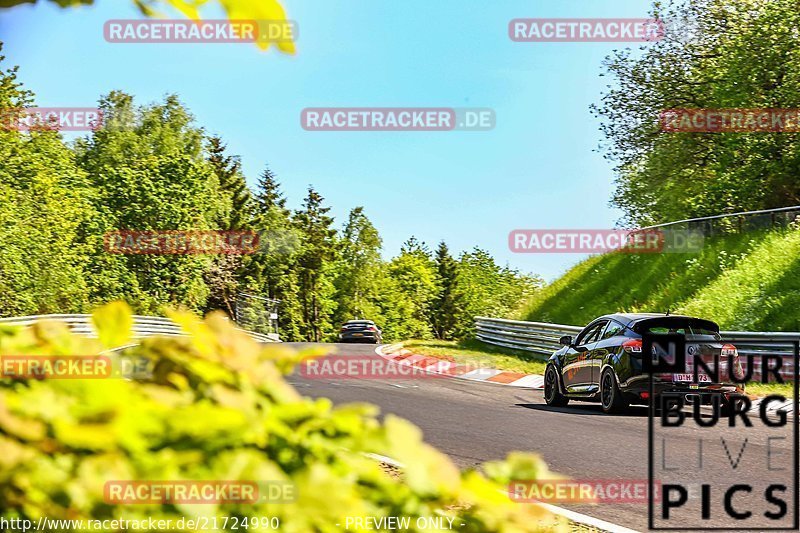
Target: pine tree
point(274, 268)
point(268, 193)
point(314, 263)
point(447, 304)
point(232, 184)
point(225, 273)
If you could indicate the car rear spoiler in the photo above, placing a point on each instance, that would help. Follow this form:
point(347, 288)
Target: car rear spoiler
point(673, 322)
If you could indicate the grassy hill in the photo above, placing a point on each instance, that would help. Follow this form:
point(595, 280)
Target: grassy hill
point(747, 281)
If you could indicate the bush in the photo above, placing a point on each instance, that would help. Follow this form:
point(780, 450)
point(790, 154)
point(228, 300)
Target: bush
point(216, 407)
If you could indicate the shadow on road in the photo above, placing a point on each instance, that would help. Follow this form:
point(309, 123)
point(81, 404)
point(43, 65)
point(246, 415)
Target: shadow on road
point(585, 409)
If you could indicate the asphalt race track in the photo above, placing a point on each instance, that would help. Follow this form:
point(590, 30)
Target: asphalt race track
point(476, 422)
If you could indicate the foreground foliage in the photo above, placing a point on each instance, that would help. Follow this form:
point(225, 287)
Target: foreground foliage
point(217, 407)
point(271, 10)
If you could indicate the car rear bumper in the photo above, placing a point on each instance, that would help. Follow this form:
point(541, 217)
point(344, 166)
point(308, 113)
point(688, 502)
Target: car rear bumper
point(355, 337)
point(695, 392)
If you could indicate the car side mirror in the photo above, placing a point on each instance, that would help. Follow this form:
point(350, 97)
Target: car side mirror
point(566, 340)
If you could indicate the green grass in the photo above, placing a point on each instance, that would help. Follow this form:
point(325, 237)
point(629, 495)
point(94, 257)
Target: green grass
point(765, 389)
point(747, 281)
point(476, 352)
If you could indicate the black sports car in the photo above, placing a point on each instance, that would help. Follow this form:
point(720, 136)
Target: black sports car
point(604, 363)
point(360, 331)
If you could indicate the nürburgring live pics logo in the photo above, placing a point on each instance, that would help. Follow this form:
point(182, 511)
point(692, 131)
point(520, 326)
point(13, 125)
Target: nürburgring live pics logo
point(732, 462)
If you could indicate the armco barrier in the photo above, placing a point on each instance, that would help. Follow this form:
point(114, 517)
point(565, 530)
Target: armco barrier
point(542, 338)
point(537, 337)
point(143, 326)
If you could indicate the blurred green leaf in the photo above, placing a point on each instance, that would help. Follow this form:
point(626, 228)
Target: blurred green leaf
point(114, 324)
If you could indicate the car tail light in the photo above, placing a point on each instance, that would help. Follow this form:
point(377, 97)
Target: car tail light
point(632, 346)
point(371, 328)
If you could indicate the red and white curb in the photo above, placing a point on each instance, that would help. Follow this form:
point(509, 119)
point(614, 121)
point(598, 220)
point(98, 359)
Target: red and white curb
point(399, 355)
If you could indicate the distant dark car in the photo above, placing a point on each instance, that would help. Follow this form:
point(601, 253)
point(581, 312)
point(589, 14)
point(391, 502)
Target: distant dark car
point(360, 331)
point(604, 363)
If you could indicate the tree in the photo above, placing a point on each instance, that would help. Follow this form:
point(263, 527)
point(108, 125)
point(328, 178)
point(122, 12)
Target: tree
point(43, 204)
point(359, 270)
point(314, 265)
point(269, 193)
point(228, 169)
point(151, 168)
point(488, 289)
point(730, 54)
point(222, 277)
point(148, 173)
point(274, 267)
point(414, 273)
point(226, 270)
point(448, 301)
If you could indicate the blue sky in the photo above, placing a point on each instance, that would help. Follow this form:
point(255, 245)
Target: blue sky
point(538, 168)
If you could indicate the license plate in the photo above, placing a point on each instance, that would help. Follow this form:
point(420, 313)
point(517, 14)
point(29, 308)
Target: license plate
point(358, 334)
point(701, 378)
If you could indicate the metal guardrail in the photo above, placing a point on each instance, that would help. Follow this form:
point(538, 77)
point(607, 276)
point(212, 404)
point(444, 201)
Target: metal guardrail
point(739, 222)
point(792, 210)
point(537, 337)
point(143, 326)
point(542, 338)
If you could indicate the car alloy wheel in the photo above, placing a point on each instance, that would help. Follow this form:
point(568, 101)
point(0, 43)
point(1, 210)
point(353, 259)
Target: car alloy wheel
point(608, 390)
point(611, 397)
point(552, 395)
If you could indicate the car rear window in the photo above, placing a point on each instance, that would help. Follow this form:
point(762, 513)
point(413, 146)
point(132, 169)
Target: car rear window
point(684, 326)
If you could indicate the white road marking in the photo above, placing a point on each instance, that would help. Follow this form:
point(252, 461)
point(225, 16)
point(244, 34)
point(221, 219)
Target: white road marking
point(534, 381)
point(586, 519)
point(481, 374)
point(404, 386)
